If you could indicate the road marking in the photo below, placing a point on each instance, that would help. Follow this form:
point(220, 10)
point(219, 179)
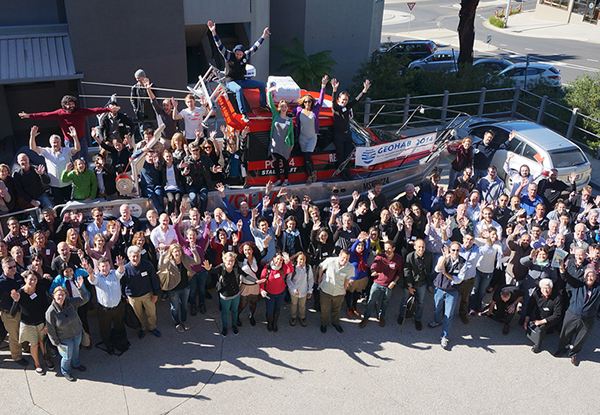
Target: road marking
point(502, 44)
point(593, 60)
point(528, 49)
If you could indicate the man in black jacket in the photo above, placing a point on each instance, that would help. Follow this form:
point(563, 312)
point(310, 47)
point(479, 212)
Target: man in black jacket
point(115, 124)
point(551, 189)
point(342, 136)
point(417, 268)
point(580, 317)
point(29, 182)
point(545, 306)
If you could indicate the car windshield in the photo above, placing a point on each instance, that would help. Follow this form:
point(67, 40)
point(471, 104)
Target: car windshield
point(567, 158)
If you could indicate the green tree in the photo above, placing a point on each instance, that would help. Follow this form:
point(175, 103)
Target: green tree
point(307, 70)
point(584, 93)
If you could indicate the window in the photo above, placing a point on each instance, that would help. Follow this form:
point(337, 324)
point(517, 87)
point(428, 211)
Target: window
point(515, 146)
point(567, 158)
point(529, 152)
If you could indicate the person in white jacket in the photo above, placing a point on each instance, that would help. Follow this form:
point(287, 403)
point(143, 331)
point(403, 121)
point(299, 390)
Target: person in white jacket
point(490, 254)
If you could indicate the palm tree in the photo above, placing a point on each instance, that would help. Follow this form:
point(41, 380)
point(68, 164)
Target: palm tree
point(307, 70)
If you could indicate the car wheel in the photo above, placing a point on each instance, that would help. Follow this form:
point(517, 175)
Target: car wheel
point(508, 182)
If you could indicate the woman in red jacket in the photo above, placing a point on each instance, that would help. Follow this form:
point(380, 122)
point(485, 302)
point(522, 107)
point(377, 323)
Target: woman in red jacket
point(273, 289)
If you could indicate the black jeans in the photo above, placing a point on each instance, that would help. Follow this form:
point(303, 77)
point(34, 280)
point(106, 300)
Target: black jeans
point(575, 326)
point(114, 317)
point(286, 166)
point(173, 202)
point(343, 148)
point(308, 164)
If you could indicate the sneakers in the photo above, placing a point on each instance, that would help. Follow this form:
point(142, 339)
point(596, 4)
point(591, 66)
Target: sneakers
point(141, 334)
point(156, 332)
point(245, 118)
point(293, 321)
point(179, 328)
point(224, 332)
point(314, 176)
point(433, 325)
point(309, 180)
point(69, 377)
point(472, 313)
point(363, 323)
point(235, 330)
point(277, 183)
point(303, 322)
point(381, 321)
point(186, 326)
point(444, 343)
point(575, 360)
point(287, 183)
point(418, 325)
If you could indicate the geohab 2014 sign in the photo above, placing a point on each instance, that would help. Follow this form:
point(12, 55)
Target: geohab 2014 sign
point(369, 156)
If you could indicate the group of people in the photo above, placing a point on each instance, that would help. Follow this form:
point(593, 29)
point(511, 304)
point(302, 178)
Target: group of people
point(535, 247)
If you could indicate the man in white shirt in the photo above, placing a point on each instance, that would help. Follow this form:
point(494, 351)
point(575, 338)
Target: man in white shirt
point(57, 157)
point(192, 115)
point(163, 236)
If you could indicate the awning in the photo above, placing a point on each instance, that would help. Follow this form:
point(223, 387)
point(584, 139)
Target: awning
point(36, 58)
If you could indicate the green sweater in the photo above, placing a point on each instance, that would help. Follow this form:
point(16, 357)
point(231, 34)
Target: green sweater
point(289, 138)
point(85, 185)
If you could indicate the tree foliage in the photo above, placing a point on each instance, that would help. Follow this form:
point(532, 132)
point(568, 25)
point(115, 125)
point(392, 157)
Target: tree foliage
point(307, 70)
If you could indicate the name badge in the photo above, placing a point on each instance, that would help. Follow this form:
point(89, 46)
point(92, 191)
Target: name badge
point(325, 253)
point(230, 248)
point(24, 242)
point(287, 122)
point(393, 266)
point(277, 275)
point(236, 156)
point(47, 252)
point(546, 309)
point(144, 274)
point(344, 109)
point(413, 238)
point(359, 220)
point(33, 296)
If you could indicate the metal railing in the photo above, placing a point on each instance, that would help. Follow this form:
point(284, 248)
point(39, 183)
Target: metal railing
point(493, 103)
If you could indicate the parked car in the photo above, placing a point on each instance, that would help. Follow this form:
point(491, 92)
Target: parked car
point(493, 64)
point(532, 143)
point(534, 72)
point(413, 49)
point(442, 60)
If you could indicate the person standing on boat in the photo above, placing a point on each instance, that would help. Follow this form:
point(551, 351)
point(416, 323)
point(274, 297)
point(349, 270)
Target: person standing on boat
point(70, 115)
point(235, 71)
point(282, 138)
point(464, 158)
point(307, 128)
point(342, 136)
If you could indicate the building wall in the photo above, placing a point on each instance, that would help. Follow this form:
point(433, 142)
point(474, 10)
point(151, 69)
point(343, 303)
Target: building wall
point(111, 39)
point(351, 29)
point(32, 12)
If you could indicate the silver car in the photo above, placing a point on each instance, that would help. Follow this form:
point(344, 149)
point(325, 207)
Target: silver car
point(534, 145)
point(442, 60)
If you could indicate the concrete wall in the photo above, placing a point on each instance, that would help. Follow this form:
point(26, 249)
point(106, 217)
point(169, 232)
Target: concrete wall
point(351, 29)
point(111, 39)
point(552, 14)
point(32, 12)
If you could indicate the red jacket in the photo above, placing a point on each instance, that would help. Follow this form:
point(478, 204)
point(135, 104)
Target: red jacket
point(275, 283)
point(67, 119)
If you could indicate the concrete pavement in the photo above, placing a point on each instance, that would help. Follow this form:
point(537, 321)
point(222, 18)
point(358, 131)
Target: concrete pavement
point(299, 370)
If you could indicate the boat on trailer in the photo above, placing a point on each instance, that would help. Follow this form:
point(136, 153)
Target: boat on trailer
point(379, 157)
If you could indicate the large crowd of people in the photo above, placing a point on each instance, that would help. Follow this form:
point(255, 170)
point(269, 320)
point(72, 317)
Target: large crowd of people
point(531, 251)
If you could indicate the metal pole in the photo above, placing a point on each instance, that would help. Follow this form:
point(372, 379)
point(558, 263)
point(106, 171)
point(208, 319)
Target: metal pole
point(409, 20)
point(367, 111)
point(445, 106)
point(572, 123)
point(526, 67)
point(506, 14)
point(481, 102)
point(540, 116)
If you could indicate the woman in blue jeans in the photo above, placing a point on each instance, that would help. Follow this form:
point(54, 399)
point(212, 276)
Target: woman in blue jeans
point(174, 273)
point(490, 253)
point(274, 287)
point(65, 328)
point(228, 287)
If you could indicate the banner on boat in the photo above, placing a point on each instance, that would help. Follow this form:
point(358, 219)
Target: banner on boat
point(369, 156)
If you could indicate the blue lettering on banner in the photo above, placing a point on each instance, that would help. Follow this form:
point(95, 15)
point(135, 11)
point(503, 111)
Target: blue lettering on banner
point(402, 148)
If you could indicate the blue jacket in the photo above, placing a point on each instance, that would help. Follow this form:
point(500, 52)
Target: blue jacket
point(61, 281)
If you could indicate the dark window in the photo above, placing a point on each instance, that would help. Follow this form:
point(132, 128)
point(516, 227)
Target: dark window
point(529, 152)
point(568, 158)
